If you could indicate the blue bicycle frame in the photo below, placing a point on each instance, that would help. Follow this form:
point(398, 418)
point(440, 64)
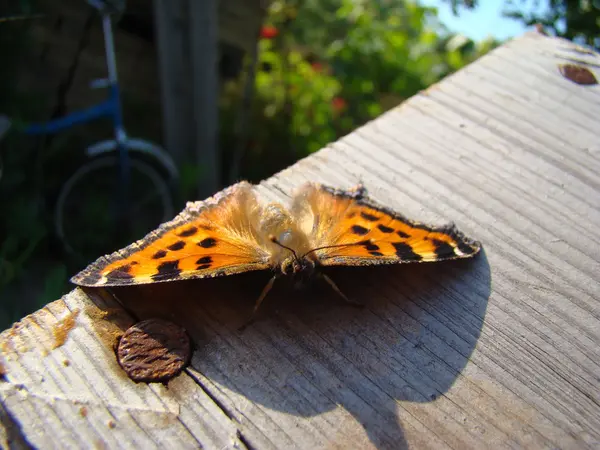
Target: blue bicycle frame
point(111, 107)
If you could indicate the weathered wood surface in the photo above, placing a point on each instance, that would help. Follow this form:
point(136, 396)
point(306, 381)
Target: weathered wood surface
point(189, 37)
point(188, 50)
point(498, 352)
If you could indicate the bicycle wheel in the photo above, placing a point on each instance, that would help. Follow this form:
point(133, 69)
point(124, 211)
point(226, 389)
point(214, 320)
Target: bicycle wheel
point(85, 215)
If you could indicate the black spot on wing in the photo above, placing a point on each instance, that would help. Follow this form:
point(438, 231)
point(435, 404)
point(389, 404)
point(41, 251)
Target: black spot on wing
point(361, 231)
point(464, 245)
point(89, 278)
point(120, 273)
point(405, 252)
point(369, 217)
point(369, 245)
point(159, 254)
point(402, 234)
point(176, 246)
point(188, 232)
point(443, 250)
point(465, 248)
point(203, 266)
point(167, 270)
point(207, 242)
point(204, 260)
point(376, 253)
point(385, 229)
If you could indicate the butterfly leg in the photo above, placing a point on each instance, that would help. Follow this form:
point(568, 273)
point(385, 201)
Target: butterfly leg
point(337, 289)
point(264, 293)
point(261, 297)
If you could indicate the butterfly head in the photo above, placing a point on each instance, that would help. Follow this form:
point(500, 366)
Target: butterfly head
point(300, 268)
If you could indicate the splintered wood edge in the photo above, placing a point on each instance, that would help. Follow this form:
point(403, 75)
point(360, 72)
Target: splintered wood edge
point(62, 385)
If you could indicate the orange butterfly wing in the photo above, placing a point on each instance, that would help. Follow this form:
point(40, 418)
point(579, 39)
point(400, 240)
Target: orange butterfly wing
point(211, 238)
point(374, 234)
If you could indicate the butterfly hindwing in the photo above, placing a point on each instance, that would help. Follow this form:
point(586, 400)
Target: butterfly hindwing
point(375, 234)
point(211, 238)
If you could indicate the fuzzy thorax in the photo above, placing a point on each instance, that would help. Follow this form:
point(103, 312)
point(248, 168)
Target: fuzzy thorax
point(279, 230)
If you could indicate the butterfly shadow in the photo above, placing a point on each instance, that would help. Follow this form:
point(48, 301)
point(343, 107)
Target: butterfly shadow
point(309, 353)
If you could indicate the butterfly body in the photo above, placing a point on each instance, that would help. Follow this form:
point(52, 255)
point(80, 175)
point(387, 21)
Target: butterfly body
point(233, 232)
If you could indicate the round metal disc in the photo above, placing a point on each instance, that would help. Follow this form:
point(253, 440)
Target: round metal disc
point(154, 350)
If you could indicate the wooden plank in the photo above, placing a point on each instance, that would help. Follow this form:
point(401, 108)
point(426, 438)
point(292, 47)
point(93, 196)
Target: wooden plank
point(80, 385)
point(188, 52)
point(239, 20)
point(498, 352)
point(175, 77)
point(203, 35)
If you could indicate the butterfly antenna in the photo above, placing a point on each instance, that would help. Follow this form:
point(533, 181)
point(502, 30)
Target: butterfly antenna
point(334, 246)
point(274, 240)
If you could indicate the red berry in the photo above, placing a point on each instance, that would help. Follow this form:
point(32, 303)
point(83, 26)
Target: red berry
point(268, 32)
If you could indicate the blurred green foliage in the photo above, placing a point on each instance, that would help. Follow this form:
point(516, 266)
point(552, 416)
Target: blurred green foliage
point(576, 20)
point(328, 66)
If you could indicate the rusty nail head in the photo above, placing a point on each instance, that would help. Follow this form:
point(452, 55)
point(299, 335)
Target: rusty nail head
point(578, 74)
point(153, 351)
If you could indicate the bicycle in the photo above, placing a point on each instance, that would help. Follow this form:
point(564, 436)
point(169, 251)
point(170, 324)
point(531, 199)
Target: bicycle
point(146, 174)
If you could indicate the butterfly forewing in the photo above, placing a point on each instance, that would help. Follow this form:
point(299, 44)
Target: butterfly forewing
point(207, 239)
point(375, 234)
point(232, 233)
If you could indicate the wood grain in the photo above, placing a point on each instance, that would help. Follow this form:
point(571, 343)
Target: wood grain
point(498, 352)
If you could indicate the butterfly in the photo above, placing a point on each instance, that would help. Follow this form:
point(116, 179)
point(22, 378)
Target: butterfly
point(232, 232)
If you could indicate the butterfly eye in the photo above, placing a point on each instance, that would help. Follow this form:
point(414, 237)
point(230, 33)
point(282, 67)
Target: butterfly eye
point(288, 268)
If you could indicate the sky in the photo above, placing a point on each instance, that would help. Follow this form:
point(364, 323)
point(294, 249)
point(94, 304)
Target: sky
point(485, 20)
